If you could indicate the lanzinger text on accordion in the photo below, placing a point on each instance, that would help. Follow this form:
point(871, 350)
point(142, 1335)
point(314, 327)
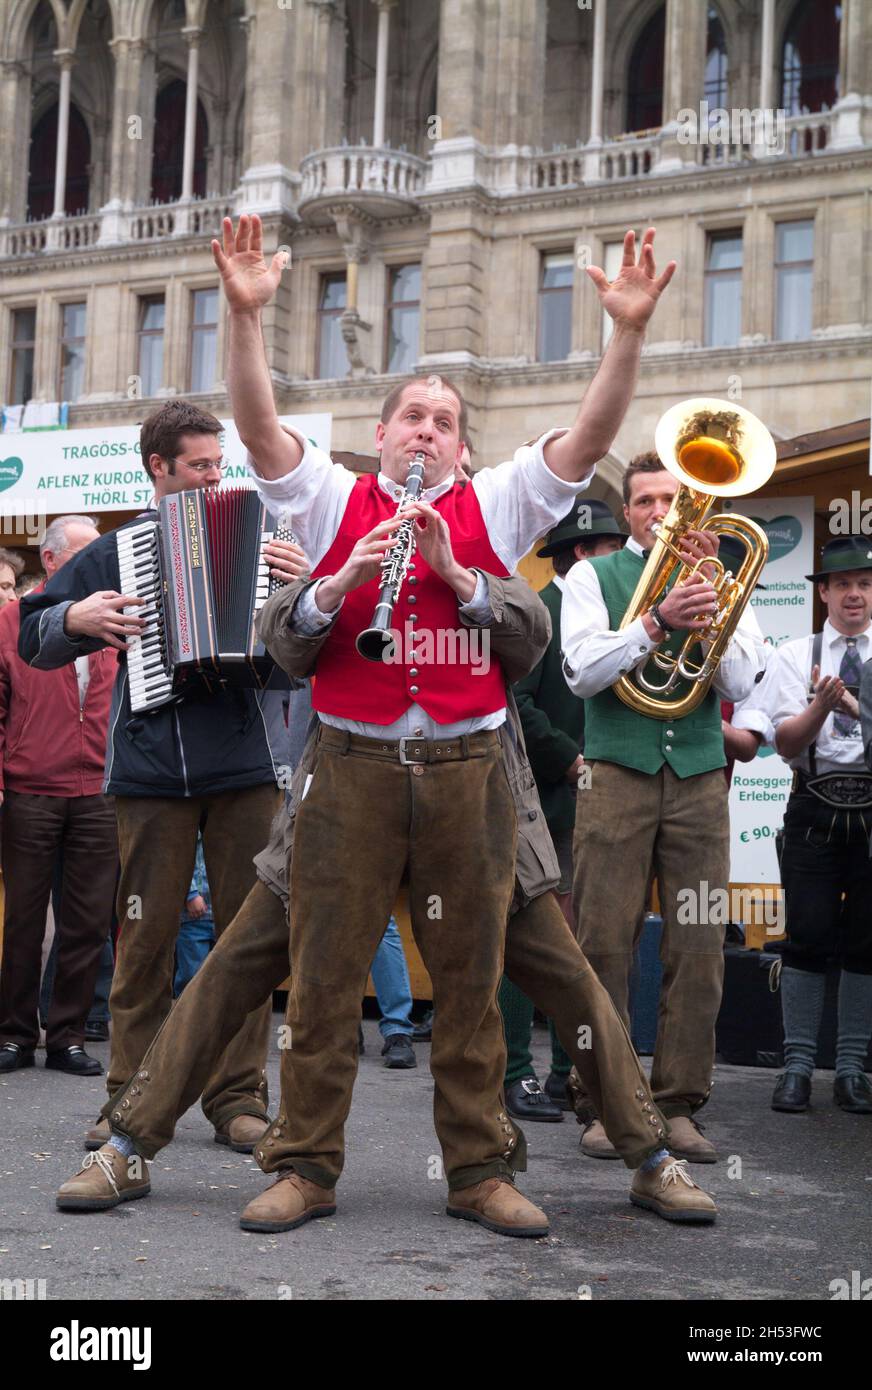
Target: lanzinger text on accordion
point(201, 570)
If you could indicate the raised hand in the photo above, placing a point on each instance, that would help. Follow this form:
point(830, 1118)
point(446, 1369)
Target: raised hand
point(631, 297)
point(249, 283)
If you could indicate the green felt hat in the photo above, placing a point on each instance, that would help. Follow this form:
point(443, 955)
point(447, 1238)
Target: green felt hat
point(844, 553)
point(587, 518)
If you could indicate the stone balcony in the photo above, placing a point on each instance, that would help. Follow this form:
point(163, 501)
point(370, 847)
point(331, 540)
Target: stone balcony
point(515, 171)
point(379, 182)
point(199, 217)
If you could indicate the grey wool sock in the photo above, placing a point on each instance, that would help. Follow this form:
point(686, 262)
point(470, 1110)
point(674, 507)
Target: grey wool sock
point(802, 1006)
point(855, 1022)
point(124, 1145)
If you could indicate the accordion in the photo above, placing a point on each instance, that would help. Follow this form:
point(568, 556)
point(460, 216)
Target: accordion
point(201, 570)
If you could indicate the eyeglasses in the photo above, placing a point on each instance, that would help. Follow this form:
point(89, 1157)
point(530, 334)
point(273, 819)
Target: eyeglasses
point(202, 467)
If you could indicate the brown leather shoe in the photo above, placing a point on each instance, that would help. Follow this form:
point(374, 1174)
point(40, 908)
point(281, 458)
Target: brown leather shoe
point(687, 1141)
point(498, 1206)
point(106, 1179)
point(242, 1133)
point(291, 1201)
point(596, 1143)
point(98, 1136)
point(670, 1191)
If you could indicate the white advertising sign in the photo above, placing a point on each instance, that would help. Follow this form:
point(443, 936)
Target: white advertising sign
point(50, 472)
point(759, 789)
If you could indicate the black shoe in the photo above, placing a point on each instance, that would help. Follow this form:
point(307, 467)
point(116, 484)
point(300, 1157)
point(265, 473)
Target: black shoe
point(97, 1032)
point(73, 1060)
point(793, 1092)
point(558, 1091)
point(398, 1051)
point(422, 1031)
point(854, 1093)
point(526, 1100)
point(13, 1057)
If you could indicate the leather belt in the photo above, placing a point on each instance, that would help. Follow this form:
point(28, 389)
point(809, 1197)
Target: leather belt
point(849, 791)
point(408, 750)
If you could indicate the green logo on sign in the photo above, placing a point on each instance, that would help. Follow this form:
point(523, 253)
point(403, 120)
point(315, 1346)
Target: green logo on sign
point(784, 532)
point(10, 471)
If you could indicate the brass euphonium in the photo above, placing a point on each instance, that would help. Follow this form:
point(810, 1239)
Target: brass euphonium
point(715, 449)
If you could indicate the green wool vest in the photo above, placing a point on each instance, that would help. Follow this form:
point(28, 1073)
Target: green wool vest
point(617, 734)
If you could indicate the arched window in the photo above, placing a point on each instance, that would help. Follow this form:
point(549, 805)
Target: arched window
point(715, 62)
point(169, 145)
point(810, 57)
point(43, 151)
point(645, 75)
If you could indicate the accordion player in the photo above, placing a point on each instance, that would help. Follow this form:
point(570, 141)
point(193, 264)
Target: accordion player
point(201, 570)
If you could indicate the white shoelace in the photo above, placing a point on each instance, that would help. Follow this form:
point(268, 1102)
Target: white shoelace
point(104, 1163)
point(674, 1170)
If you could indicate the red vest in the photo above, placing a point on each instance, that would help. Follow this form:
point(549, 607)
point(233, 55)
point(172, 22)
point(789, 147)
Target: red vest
point(457, 676)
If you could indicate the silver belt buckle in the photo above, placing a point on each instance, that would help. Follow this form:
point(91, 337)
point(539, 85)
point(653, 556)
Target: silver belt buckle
point(409, 762)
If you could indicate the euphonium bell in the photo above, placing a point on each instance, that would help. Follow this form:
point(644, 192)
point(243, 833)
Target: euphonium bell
point(715, 449)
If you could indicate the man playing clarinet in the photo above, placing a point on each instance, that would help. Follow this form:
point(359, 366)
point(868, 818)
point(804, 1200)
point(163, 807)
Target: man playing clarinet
point(408, 776)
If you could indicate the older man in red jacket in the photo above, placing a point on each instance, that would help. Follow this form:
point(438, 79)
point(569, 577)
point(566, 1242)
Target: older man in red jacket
point(53, 727)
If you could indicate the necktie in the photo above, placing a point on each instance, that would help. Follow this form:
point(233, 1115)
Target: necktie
point(849, 672)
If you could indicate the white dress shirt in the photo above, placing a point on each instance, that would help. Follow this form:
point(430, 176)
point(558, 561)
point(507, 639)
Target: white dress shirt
point(595, 656)
point(784, 692)
point(519, 500)
point(751, 713)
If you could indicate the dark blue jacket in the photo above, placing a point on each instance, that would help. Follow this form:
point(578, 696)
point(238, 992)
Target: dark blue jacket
point(207, 743)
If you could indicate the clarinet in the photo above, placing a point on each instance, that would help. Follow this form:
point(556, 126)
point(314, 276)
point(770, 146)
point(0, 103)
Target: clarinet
point(376, 642)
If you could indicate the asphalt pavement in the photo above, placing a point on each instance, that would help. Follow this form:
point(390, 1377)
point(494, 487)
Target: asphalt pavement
point(794, 1194)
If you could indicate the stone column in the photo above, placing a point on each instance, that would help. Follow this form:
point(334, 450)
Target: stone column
point(518, 75)
point(464, 63)
point(767, 55)
point(597, 74)
point(248, 25)
point(852, 125)
point(683, 81)
point(384, 8)
point(192, 33)
point(126, 137)
point(65, 60)
point(294, 104)
point(14, 116)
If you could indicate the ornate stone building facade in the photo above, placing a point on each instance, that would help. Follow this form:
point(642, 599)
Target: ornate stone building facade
point(442, 171)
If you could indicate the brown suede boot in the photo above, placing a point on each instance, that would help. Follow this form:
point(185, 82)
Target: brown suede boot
point(595, 1143)
point(496, 1205)
point(243, 1132)
point(106, 1179)
point(686, 1141)
point(98, 1136)
point(291, 1201)
point(670, 1191)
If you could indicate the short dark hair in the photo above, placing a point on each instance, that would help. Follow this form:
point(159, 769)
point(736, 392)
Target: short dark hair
point(392, 400)
point(14, 561)
point(649, 462)
point(164, 427)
